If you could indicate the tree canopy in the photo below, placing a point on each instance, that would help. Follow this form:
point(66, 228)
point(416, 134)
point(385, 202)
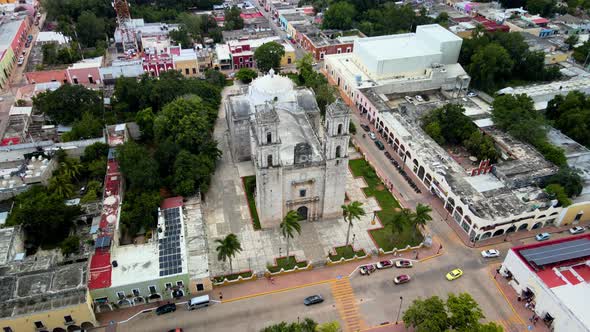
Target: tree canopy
point(139, 168)
point(339, 16)
point(571, 115)
point(246, 75)
point(68, 103)
point(269, 56)
point(459, 313)
point(232, 19)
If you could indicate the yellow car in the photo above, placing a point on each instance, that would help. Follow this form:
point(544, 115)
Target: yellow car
point(456, 273)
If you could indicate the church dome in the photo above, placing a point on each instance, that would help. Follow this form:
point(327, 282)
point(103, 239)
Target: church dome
point(271, 86)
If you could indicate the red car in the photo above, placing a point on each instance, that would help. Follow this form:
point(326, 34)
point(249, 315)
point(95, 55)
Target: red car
point(401, 279)
point(384, 265)
point(403, 263)
point(367, 269)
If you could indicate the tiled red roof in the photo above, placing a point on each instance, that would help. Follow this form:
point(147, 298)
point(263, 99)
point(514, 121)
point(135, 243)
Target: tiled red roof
point(172, 202)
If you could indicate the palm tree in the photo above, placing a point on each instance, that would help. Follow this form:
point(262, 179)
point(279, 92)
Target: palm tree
point(71, 168)
point(399, 220)
point(61, 186)
point(228, 248)
point(352, 211)
point(290, 223)
point(422, 216)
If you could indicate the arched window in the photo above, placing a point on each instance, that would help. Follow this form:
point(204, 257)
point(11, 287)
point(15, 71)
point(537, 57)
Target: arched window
point(339, 129)
point(268, 137)
point(269, 160)
point(338, 151)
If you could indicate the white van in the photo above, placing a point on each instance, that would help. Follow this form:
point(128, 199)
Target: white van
point(198, 302)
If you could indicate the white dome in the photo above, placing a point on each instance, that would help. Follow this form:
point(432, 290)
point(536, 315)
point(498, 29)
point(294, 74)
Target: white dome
point(271, 86)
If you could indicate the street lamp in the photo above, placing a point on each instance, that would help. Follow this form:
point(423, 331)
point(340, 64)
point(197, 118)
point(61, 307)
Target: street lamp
point(401, 300)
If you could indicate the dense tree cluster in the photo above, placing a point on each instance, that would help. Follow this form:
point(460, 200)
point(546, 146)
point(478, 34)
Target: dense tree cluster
point(571, 115)
point(449, 125)
point(496, 59)
point(306, 325)
point(53, 54)
point(68, 103)
point(517, 116)
point(373, 18)
point(232, 19)
point(269, 56)
point(324, 92)
point(546, 8)
point(459, 313)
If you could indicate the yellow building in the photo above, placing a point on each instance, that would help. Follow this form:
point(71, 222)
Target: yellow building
point(186, 63)
point(53, 299)
point(289, 58)
point(576, 214)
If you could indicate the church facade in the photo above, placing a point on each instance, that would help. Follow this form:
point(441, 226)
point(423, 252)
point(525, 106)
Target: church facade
point(300, 162)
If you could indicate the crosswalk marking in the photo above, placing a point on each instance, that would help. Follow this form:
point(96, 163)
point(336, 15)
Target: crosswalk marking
point(346, 304)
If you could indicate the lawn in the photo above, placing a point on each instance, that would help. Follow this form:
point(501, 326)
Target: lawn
point(384, 237)
point(233, 276)
point(250, 188)
point(347, 252)
point(287, 263)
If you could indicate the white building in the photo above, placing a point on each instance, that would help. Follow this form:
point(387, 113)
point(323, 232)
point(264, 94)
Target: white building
point(299, 164)
point(554, 276)
point(541, 94)
point(410, 62)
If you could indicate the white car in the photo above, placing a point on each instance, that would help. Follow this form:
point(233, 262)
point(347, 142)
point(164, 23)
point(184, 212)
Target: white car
point(21, 60)
point(471, 94)
point(372, 136)
point(490, 253)
point(542, 236)
point(409, 99)
point(419, 98)
point(577, 230)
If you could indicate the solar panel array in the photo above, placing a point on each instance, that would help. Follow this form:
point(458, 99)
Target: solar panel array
point(169, 243)
point(558, 252)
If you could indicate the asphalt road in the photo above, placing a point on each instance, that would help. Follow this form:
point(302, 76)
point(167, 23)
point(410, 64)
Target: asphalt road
point(245, 315)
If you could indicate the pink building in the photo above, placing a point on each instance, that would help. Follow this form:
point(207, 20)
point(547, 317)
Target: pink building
point(155, 63)
point(82, 72)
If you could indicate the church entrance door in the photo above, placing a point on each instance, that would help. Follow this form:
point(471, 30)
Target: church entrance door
point(302, 211)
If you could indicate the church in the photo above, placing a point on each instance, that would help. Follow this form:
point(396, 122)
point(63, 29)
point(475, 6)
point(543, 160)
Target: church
point(300, 162)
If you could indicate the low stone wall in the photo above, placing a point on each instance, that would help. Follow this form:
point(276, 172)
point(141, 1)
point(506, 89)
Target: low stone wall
point(396, 250)
point(294, 270)
point(343, 260)
point(239, 280)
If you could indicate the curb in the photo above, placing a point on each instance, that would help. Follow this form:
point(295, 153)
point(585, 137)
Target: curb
point(430, 257)
point(506, 298)
point(278, 290)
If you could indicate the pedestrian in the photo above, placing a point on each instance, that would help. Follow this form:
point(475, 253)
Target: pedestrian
point(220, 296)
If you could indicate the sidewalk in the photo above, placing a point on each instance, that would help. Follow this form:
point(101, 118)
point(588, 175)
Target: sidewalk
point(522, 314)
point(281, 283)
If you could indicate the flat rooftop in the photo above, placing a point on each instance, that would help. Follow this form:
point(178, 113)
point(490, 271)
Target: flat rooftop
point(6, 238)
point(135, 263)
point(500, 194)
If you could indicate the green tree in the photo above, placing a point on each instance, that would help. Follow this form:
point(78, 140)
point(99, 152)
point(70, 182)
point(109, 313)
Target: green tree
point(227, 248)
point(181, 37)
point(140, 211)
point(68, 103)
point(581, 53)
point(558, 192)
point(332, 326)
point(232, 19)
point(93, 191)
point(428, 315)
point(352, 128)
point(422, 215)
point(89, 126)
point(542, 7)
point(246, 75)
point(569, 179)
point(71, 245)
point(269, 56)
point(192, 172)
point(464, 312)
point(435, 132)
point(354, 210)
point(290, 225)
point(517, 116)
point(193, 24)
point(96, 169)
point(139, 168)
point(145, 119)
point(398, 221)
point(442, 18)
point(61, 186)
point(215, 77)
point(339, 15)
point(95, 151)
point(306, 325)
point(490, 67)
point(45, 218)
point(90, 29)
point(71, 168)
point(571, 41)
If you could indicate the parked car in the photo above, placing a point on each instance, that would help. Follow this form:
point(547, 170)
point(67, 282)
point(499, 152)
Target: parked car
point(372, 136)
point(419, 98)
point(577, 230)
point(365, 127)
point(367, 269)
point(542, 236)
point(409, 99)
point(387, 154)
point(403, 263)
point(401, 279)
point(384, 265)
point(456, 273)
point(379, 145)
point(166, 308)
point(425, 97)
point(21, 60)
point(471, 94)
point(490, 253)
point(314, 299)
point(30, 37)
